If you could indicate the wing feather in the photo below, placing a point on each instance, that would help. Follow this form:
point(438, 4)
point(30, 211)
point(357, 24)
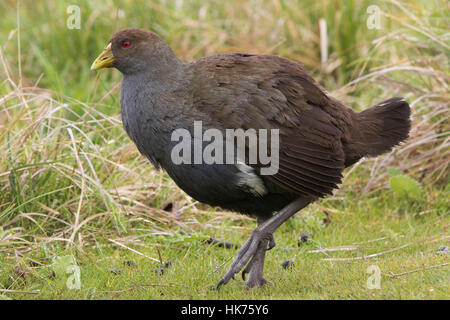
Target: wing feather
point(269, 92)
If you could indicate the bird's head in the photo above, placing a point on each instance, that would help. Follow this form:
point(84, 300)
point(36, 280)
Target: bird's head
point(132, 51)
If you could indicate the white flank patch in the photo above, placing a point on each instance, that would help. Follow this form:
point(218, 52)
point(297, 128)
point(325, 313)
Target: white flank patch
point(248, 178)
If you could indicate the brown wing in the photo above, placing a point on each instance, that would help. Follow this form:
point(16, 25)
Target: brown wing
point(245, 91)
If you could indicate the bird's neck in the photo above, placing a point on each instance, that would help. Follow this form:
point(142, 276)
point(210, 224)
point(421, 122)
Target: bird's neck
point(150, 94)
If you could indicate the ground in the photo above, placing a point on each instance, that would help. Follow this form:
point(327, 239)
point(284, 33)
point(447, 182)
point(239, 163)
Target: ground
point(404, 241)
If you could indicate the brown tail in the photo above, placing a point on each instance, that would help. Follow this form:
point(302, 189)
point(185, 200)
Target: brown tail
point(384, 125)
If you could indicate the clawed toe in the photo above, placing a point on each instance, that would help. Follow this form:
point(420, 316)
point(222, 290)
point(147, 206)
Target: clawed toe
point(252, 253)
point(256, 283)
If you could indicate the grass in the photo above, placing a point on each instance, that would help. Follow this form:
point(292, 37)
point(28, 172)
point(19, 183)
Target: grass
point(372, 225)
point(72, 184)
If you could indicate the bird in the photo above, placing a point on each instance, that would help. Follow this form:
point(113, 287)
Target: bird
point(317, 135)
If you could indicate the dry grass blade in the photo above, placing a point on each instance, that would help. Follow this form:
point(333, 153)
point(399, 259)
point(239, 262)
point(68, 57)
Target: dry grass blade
point(395, 275)
point(340, 248)
point(428, 240)
point(19, 291)
point(132, 250)
point(83, 183)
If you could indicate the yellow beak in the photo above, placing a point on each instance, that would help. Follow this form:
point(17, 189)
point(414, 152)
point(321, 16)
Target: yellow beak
point(104, 60)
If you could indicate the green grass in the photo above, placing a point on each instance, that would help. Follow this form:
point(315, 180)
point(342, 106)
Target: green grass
point(71, 181)
point(374, 224)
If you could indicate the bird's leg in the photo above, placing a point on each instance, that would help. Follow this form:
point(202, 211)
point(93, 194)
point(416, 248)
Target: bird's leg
point(254, 248)
point(256, 265)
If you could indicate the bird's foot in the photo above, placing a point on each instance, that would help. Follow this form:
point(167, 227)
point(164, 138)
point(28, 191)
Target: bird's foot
point(253, 250)
point(259, 241)
point(256, 283)
point(255, 269)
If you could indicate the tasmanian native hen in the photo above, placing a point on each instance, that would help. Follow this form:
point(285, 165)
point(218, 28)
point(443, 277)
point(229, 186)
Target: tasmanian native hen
point(317, 136)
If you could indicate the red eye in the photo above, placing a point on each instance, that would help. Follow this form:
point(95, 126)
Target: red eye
point(125, 44)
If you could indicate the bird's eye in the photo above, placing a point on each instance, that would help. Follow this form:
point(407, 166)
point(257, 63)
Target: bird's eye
point(126, 44)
